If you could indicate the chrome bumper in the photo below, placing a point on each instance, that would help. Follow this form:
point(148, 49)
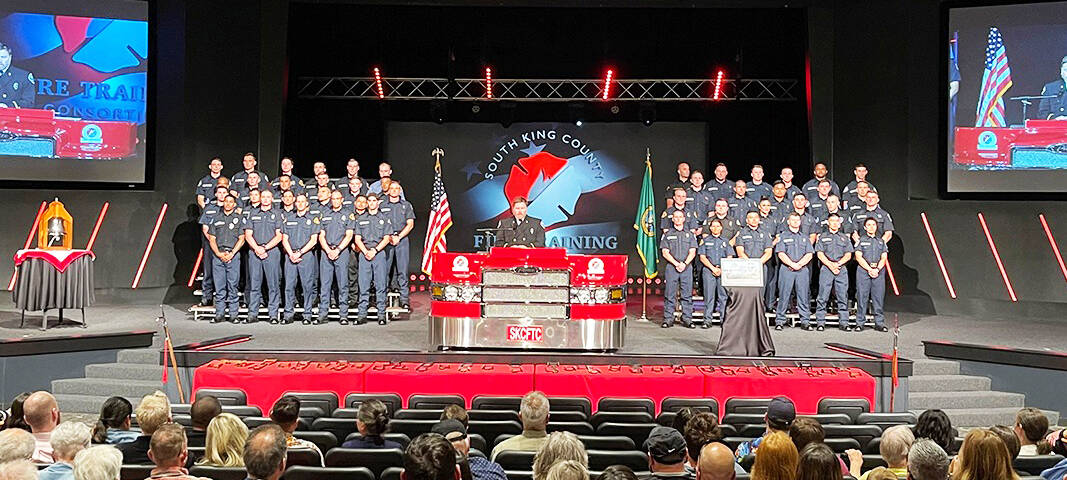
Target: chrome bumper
point(526, 333)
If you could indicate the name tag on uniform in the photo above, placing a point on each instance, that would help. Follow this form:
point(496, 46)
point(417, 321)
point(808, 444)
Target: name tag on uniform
point(865, 244)
point(327, 218)
point(787, 240)
point(827, 240)
point(672, 237)
point(364, 222)
point(291, 224)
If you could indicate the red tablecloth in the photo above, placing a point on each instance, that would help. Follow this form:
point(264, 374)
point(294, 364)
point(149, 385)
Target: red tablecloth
point(264, 381)
point(805, 386)
point(60, 259)
point(468, 380)
point(598, 381)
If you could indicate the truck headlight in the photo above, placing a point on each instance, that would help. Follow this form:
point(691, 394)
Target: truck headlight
point(600, 295)
point(451, 293)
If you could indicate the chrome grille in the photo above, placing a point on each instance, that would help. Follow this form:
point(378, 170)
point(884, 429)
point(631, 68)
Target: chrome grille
point(546, 278)
point(532, 310)
point(523, 294)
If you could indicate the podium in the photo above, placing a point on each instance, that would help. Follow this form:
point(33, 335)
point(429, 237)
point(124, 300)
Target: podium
point(744, 326)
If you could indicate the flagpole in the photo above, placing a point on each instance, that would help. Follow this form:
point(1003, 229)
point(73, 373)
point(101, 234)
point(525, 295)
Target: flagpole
point(644, 282)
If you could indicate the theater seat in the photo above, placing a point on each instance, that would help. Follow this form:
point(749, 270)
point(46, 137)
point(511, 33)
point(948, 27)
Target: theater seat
point(377, 460)
point(180, 408)
point(862, 433)
point(614, 404)
point(493, 428)
point(518, 475)
point(347, 413)
point(747, 405)
point(515, 460)
point(483, 402)
point(831, 418)
point(839, 445)
point(600, 442)
point(577, 428)
point(328, 473)
point(400, 438)
point(638, 432)
point(302, 456)
point(493, 415)
point(886, 420)
point(673, 404)
point(412, 414)
point(635, 459)
point(620, 417)
point(339, 427)
point(743, 418)
point(225, 396)
point(135, 472)
point(872, 461)
point(848, 406)
point(478, 442)
point(327, 401)
point(1036, 464)
point(219, 473)
point(392, 401)
point(567, 416)
point(572, 404)
point(252, 422)
point(323, 440)
point(434, 402)
point(411, 428)
point(751, 431)
point(391, 473)
point(311, 413)
point(243, 410)
point(182, 419)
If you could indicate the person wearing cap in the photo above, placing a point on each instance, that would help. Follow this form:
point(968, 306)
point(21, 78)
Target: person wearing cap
point(780, 415)
point(481, 468)
point(666, 453)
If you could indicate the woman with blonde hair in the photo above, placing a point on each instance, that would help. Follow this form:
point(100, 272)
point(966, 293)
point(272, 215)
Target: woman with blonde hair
point(983, 456)
point(559, 446)
point(776, 458)
point(224, 445)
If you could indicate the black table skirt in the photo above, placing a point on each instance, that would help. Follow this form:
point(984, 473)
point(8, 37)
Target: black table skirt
point(41, 286)
point(744, 328)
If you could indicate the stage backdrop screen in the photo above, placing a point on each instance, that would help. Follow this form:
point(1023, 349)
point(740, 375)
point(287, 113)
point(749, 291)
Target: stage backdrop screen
point(582, 182)
point(1007, 112)
point(73, 92)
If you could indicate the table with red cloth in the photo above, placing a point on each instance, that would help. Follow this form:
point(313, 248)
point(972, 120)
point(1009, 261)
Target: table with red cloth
point(264, 381)
point(53, 279)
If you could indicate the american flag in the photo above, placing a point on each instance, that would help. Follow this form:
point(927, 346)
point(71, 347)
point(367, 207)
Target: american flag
point(440, 220)
point(996, 80)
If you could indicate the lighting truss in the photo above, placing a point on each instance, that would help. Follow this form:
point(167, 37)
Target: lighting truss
point(560, 90)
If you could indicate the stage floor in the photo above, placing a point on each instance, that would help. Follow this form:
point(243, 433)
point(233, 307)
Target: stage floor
point(409, 334)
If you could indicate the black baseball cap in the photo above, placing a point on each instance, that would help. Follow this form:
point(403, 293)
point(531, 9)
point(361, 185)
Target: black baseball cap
point(666, 445)
point(781, 412)
point(452, 429)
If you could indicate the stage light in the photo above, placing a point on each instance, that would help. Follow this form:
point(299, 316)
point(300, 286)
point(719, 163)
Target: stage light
point(438, 111)
point(489, 82)
point(718, 85)
point(507, 113)
point(96, 228)
point(148, 248)
point(607, 84)
point(647, 114)
point(892, 278)
point(378, 82)
point(29, 240)
point(937, 253)
point(576, 112)
point(1052, 242)
point(996, 256)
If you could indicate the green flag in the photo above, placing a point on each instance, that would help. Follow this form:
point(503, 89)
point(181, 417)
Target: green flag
point(645, 224)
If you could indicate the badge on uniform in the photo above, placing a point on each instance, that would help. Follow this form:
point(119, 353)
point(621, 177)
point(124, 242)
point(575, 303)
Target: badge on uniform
point(15, 85)
point(316, 220)
point(351, 216)
point(308, 222)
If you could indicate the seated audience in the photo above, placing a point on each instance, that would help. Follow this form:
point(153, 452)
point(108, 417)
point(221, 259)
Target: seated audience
point(935, 425)
point(533, 412)
point(701, 429)
point(894, 448)
point(169, 452)
point(42, 415)
point(666, 450)
point(1058, 440)
point(456, 432)
point(806, 430)
point(68, 439)
point(622, 472)
point(561, 446)
point(456, 412)
point(1031, 426)
point(265, 452)
point(927, 461)
point(18, 470)
point(777, 458)
point(100, 462)
point(225, 442)
point(818, 462)
point(568, 470)
point(780, 414)
point(286, 413)
point(16, 418)
point(682, 417)
point(881, 473)
point(152, 412)
point(202, 411)
point(16, 444)
point(1007, 435)
point(430, 457)
point(372, 421)
point(113, 426)
point(983, 456)
point(716, 463)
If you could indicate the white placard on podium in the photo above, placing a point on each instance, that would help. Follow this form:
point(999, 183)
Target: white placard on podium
point(742, 272)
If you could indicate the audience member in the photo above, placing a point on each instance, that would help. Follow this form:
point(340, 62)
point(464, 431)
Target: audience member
point(881, 473)
point(265, 452)
point(456, 412)
point(533, 412)
point(1007, 435)
point(701, 429)
point(456, 432)
point(568, 470)
point(18, 470)
point(169, 452)
point(818, 462)
point(152, 412)
point(780, 414)
point(286, 413)
point(894, 448)
point(113, 426)
point(16, 444)
point(100, 462)
point(430, 457)
point(42, 415)
point(777, 458)
point(935, 425)
point(16, 418)
point(202, 411)
point(372, 421)
point(1059, 447)
point(666, 449)
point(622, 472)
point(1031, 426)
point(806, 430)
point(68, 439)
point(559, 446)
point(225, 442)
point(983, 456)
point(927, 461)
point(681, 418)
point(716, 463)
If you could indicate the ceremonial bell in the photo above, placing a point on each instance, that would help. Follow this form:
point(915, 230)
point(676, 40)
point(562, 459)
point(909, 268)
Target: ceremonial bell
point(55, 229)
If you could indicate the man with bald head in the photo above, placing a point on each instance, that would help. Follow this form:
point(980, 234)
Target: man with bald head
point(42, 415)
point(716, 463)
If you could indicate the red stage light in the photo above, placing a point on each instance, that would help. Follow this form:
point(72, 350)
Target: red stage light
point(29, 240)
point(996, 256)
point(489, 82)
point(1055, 248)
point(96, 228)
point(196, 267)
point(607, 84)
point(378, 82)
point(937, 253)
point(718, 85)
point(892, 278)
point(148, 248)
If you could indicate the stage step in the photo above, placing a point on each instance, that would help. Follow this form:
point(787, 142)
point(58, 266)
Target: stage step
point(986, 417)
point(70, 403)
point(107, 387)
point(948, 383)
point(924, 366)
point(131, 371)
point(965, 399)
point(140, 355)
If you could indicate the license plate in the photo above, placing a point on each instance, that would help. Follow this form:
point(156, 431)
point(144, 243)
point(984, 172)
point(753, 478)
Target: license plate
point(519, 333)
